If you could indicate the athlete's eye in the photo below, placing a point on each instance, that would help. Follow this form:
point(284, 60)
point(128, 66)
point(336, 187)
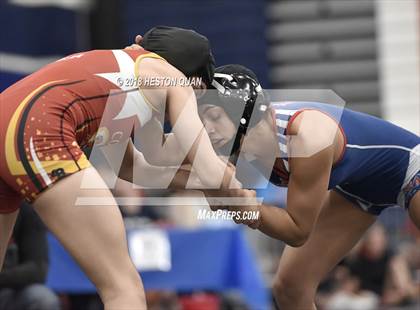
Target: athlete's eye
point(215, 116)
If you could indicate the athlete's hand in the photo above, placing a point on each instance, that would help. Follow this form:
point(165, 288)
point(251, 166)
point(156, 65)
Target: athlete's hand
point(136, 45)
point(244, 213)
point(138, 39)
point(249, 213)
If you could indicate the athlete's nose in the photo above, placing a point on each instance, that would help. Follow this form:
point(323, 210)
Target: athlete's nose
point(209, 128)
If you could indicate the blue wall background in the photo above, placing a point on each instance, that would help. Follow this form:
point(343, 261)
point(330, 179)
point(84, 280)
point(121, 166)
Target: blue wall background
point(236, 30)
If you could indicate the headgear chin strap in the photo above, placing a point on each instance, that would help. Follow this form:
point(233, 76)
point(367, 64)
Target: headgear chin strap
point(239, 92)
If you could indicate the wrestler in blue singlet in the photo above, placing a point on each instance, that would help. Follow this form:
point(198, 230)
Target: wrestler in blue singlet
point(380, 164)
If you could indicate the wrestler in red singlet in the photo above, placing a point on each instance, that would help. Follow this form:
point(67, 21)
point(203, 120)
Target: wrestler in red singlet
point(47, 118)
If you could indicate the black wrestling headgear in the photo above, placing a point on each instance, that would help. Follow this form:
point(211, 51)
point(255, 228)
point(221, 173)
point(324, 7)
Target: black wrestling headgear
point(241, 96)
point(185, 49)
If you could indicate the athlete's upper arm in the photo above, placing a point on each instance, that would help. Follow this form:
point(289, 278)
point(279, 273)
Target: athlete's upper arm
point(151, 71)
point(310, 172)
point(311, 132)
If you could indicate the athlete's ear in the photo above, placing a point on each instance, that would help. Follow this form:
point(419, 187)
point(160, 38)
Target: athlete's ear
point(138, 39)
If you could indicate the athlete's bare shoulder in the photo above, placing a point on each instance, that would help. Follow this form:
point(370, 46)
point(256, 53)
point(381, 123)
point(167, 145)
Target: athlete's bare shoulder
point(159, 80)
point(154, 67)
point(311, 131)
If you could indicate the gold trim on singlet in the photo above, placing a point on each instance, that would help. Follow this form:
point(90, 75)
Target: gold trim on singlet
point(137, 73)
point(141, 57)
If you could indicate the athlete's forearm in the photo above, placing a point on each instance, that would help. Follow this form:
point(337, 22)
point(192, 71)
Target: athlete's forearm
point(277, 223)
point(138, 171)
point(183, 178)
point(172, 155)
point(156, 176)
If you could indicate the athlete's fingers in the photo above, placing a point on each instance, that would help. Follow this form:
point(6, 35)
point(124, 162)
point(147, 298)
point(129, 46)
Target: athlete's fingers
point(249, 207)
point(252, 223)
point(218, 207)
point(239, 216)
point(216, 204)
point(255, 225)
point(133, 47)
point(138, 39)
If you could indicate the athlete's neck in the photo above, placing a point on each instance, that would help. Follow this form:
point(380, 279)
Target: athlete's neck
point(261, 141)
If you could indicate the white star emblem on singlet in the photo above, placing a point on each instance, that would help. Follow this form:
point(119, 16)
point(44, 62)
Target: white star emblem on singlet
point(134, 104)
